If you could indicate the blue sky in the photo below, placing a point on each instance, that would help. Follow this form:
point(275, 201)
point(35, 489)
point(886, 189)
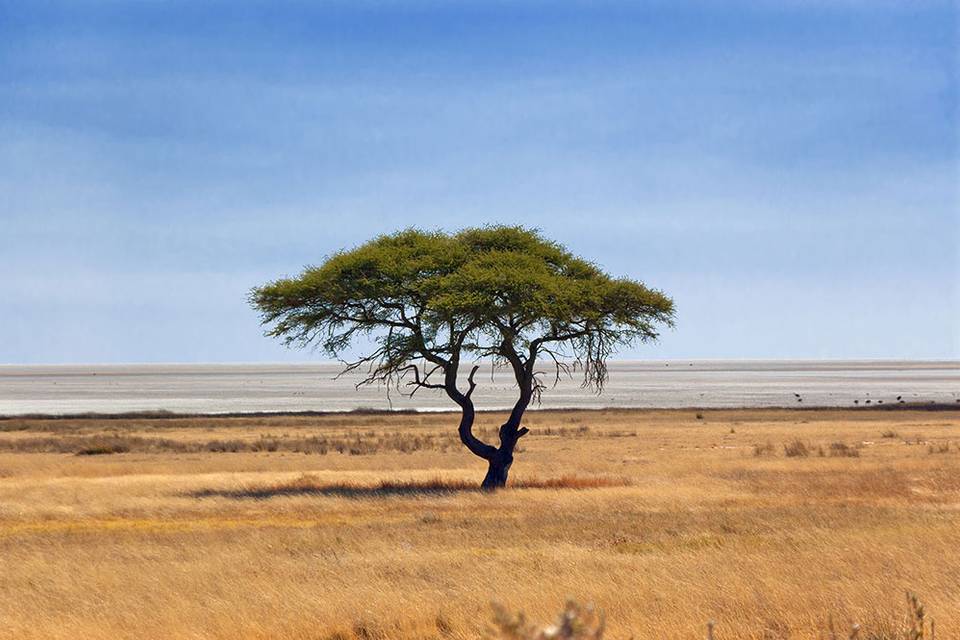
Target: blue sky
point(787, 170)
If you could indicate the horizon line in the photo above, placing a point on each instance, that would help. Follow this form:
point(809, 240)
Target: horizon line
point(945, 360)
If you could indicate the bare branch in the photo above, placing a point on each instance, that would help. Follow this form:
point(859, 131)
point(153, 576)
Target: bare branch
point(470, 380)
point(420, 383)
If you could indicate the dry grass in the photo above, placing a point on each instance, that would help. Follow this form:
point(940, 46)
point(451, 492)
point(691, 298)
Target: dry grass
point(579, 622)
point(662, 519)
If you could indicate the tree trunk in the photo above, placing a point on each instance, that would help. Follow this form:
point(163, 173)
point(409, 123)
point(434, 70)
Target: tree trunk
point(497, 470)
point(499, 458)
point(498, 465)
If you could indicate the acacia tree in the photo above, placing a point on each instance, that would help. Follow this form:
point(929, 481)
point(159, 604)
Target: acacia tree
point(432, 305)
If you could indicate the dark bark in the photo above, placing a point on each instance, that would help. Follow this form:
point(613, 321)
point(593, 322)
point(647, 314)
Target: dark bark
point(499, 459)
point(476, 446)
point(497, 470)
point(510, 432)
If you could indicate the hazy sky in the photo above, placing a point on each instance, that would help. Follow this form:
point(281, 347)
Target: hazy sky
point(787, 170)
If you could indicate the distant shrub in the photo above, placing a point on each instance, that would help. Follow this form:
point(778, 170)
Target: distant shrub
point(762, 450)
point(103, 450)
point(366, 411)
point(889, 433)
point(226, 446)
point(796, 449)
point(843, 450)
point(373, 411)
point(943, 447)
point(88, 445)
point(266, 443)
point(563, 432)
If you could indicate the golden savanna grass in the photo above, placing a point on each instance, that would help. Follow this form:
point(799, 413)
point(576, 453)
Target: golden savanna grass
point(773, 523)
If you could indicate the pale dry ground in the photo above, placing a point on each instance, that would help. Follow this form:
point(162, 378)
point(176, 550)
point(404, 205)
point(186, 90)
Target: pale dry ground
point(164, 544)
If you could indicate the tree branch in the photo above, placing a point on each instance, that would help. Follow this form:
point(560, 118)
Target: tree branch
point(470, 380)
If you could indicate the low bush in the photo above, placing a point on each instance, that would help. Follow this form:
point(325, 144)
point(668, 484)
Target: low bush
point(843, 450)
point(762, 450)
point(103, 450)
point(796, 449)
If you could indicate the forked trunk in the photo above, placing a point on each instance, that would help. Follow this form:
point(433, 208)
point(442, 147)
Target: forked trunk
point(499, 458)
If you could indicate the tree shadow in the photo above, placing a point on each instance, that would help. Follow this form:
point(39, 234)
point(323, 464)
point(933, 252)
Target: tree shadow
point(312, 486)
point(308, 487)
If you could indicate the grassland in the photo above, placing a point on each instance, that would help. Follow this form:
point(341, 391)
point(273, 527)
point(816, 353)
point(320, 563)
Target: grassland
point(369, 526)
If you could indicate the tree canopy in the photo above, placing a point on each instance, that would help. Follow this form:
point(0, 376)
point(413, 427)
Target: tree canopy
point(430, 302)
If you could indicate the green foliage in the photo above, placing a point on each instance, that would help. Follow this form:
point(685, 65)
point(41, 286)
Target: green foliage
point(498, 292)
